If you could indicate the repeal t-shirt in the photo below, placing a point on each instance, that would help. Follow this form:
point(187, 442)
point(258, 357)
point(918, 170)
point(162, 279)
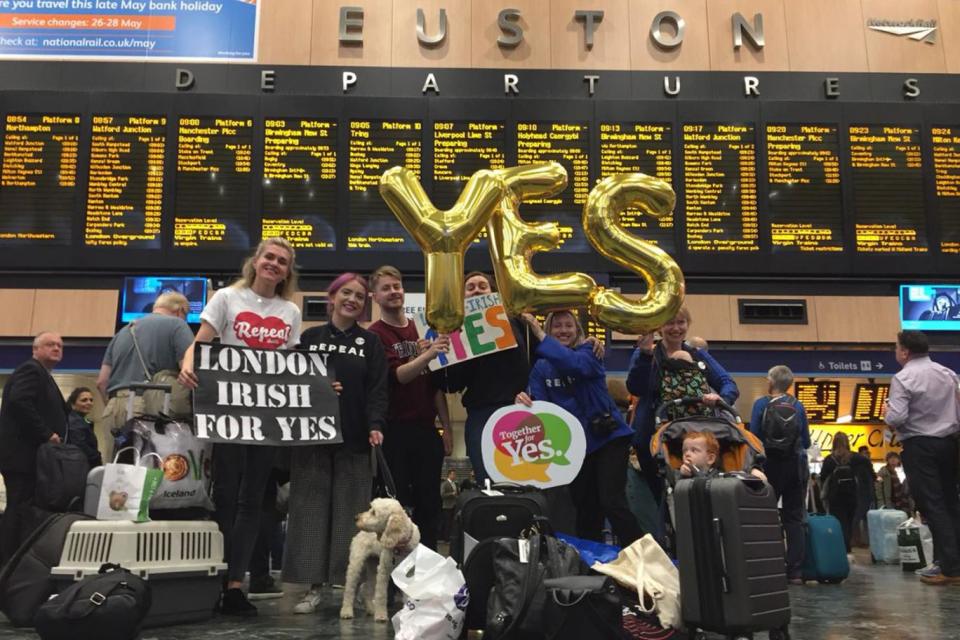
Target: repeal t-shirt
point(414, 401)
point(243, 318)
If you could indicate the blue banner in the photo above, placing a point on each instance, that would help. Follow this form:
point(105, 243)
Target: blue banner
point(132, 29)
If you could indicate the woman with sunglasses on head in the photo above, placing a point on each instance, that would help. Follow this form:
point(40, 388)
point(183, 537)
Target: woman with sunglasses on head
point(255, 311)
point(330, 484)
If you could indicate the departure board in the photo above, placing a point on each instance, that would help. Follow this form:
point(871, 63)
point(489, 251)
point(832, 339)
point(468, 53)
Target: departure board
point(946, 174)
point(300, 182)
point(630, 147)
point(569, 144)
point(375, 146)
point(125, 186)
point(888, 189)
point(820, 399)
point(868, 402)
point(38, 179)
point(214, 180)
point(720, 188)
point(803, 177)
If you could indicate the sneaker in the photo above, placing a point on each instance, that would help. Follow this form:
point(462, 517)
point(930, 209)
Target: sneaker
point(235, 603)
point(940, 580)
point(796, 581)
point(309, 602)
point(932, 569)
point(264, 588)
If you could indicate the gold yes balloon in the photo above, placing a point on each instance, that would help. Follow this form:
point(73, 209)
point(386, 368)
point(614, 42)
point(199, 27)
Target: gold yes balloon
point(494, 198)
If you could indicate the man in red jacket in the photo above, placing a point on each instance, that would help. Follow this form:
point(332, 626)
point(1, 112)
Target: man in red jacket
point(413, 446)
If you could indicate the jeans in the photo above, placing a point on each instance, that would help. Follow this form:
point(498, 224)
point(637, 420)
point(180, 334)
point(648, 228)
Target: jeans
point(240, 476)
point(787, 476)
point(931, 468)
point(599, 492)
point(473, 427)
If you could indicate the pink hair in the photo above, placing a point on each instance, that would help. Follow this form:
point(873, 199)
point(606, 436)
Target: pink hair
point(339, 281)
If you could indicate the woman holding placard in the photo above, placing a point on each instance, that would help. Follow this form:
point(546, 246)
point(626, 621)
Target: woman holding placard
point(255, 311)
point(570, 375)
point(330, 484)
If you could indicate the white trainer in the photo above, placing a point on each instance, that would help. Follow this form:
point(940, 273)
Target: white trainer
point(309, 602)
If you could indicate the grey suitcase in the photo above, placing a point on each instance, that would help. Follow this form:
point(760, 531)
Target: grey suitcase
point(730, 548)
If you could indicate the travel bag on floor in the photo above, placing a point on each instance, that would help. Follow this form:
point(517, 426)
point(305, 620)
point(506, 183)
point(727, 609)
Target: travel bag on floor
point(25, 582)
point(825, 559)
point(730, 549)
point(882, 526)
point(505, 511)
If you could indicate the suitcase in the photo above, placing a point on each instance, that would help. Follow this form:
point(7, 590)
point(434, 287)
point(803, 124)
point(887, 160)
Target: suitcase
point(502, 512)
point(181, 561)
point(825, 559)
point(733, 576)
point(882, 526)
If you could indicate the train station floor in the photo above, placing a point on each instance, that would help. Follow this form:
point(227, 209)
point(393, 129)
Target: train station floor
point(875, 603)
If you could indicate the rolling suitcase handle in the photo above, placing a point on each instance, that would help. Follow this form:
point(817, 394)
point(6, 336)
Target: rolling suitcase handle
point(139, 388)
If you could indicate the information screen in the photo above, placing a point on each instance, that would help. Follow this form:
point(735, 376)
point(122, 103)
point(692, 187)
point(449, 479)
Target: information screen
point(569, 144)
point(946, 173)
point(820, 399)
point(460, 149)
point(38, 179)
point(888, 189)
point(868, 402)
point(375, 146)
point(125, 187)
point(214, 180)
point(300, 182)
point(803, 176)
point(628, 147)
point(720, 187)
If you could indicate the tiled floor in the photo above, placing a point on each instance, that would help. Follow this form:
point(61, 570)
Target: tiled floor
point(875, 603)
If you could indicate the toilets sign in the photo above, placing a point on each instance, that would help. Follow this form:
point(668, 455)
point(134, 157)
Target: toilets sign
point(264, 396)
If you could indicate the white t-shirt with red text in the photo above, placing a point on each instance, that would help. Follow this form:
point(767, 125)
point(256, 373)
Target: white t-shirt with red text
point(241, 317)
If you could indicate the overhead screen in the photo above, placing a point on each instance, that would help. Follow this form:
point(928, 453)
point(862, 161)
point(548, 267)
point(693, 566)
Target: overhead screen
point(844, 191)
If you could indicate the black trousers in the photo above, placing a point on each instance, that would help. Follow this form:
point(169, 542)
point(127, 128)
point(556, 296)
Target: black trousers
point(240, 476)
point(600, 491)
point(415, 455)
point(845, 511)
point(931, 468)
point(17, 517)
point(269, 517)
point(787, 476)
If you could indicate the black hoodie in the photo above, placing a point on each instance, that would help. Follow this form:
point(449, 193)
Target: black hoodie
point(355, 359)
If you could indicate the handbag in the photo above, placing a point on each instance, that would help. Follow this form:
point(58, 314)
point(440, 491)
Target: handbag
point(61, 475)
point(110, 605)
point(645, 568)
point(580, 607)
point(520, 566)
point(126, 489)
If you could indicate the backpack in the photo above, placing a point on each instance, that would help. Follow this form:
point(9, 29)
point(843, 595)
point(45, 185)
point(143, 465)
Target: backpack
point(842, 483)
point(109, 605)
point(780, 425)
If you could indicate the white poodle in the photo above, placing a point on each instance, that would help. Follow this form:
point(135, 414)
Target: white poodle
point(386, 536)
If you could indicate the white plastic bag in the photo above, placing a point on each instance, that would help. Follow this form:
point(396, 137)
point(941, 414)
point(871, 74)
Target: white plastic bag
point(127, 488)
point(437, 597)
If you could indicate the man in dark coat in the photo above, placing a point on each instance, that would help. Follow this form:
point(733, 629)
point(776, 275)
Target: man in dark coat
point(33, 412)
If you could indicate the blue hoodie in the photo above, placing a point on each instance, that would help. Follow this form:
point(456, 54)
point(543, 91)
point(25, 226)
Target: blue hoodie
point(643, 381)
point(576, 380)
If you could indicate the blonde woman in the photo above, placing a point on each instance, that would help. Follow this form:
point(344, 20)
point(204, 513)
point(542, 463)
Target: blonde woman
point(255, 311)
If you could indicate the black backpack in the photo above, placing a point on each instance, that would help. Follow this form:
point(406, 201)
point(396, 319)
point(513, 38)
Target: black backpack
point(61, 476)
point(842, 483)
point(110, 605)
point(780, 426)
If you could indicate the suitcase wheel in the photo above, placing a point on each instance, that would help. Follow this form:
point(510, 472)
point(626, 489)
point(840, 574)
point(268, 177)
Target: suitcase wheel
point(830, 580)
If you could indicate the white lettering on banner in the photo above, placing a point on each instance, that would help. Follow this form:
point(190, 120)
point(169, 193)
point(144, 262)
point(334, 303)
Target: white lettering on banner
point(228, 427)
point(311, 427)
point(530, 452)
point(246, 330)
point(262, 361)
point(272, 396)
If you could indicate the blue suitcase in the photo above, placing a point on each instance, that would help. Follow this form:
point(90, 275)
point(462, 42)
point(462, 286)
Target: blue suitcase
point(826, 554)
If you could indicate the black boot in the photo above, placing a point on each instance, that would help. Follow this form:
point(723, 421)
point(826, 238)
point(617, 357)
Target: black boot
point(235, 603)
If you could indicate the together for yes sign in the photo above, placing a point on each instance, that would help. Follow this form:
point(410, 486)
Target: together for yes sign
point(486, 330)
point(264, 396)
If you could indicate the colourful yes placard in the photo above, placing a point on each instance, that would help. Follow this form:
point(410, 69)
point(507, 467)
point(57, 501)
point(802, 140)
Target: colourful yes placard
point(486, 330)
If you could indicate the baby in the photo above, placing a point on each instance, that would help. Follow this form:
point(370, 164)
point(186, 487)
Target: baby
point(701, 451)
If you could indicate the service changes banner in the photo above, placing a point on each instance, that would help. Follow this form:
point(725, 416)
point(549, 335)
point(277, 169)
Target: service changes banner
point(486, 330)
point(264, 396)
point(134, 29)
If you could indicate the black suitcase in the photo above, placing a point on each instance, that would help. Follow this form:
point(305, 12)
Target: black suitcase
point(730, 547)
point(479, 516)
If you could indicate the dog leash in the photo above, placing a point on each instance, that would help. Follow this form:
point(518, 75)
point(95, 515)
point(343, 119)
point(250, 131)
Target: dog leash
point(383, 473)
